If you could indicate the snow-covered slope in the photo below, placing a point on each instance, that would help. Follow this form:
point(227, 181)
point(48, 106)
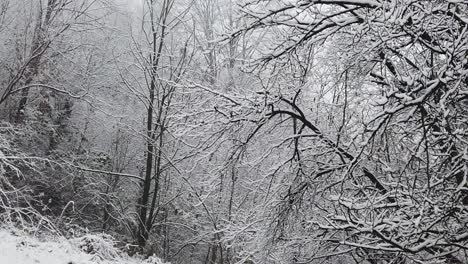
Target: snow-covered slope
point(19, 248)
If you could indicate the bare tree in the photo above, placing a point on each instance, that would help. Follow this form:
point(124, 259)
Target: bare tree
point(52, 20)
point(163, 65)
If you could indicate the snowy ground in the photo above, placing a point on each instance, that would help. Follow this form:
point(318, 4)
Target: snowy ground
point(18, 248)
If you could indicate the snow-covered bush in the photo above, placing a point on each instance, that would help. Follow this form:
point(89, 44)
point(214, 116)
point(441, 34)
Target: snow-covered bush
point(14, 201)
point(154, 260)
point(101, 246)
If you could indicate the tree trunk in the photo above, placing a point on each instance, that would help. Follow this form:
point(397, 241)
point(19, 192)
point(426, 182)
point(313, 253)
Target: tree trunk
point(145, 219)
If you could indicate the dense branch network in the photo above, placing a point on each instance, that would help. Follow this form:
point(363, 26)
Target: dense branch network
point(412, 54)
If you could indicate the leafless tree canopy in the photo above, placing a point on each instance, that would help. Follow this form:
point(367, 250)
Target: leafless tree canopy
point(253, 131)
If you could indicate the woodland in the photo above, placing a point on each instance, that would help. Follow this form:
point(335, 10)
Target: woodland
point(239, 131)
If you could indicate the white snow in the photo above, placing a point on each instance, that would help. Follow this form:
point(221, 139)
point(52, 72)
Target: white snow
point(17, 247)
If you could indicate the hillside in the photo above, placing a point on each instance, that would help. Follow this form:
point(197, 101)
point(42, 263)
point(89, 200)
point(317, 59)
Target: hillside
point(17, 247)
